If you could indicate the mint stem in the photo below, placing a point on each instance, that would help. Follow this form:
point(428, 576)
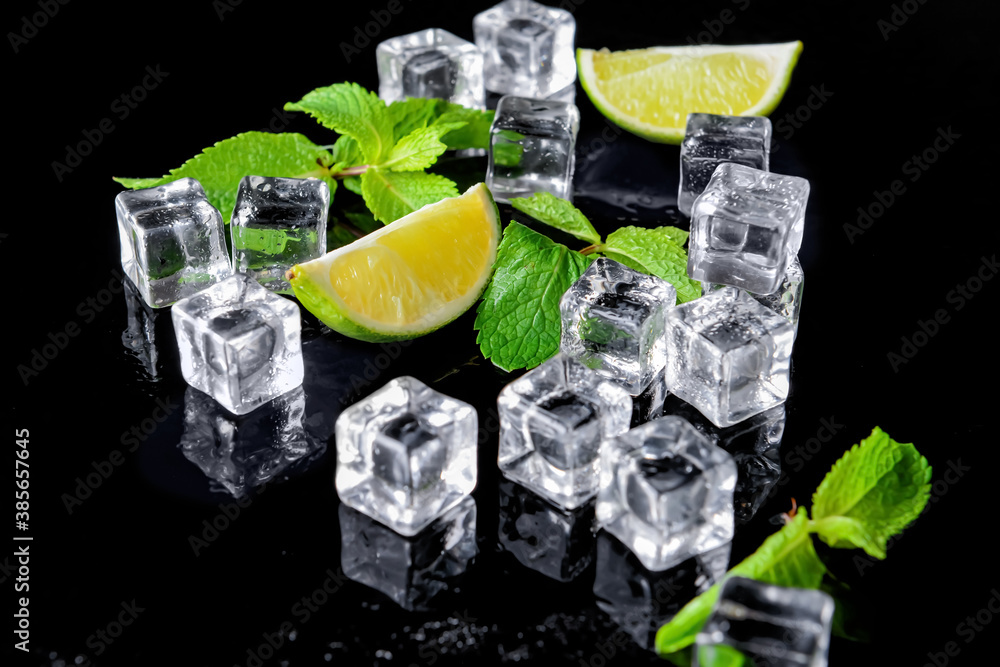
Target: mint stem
point(352, 171)
point(594, 247)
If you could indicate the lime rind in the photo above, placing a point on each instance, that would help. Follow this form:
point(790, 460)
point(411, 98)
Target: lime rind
point(311, 285)
point(785, 54)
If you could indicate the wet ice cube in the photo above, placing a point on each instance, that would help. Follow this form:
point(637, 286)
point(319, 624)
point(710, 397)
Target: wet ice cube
point(639, 600)
point(406, 454)
point(172, 241)
point(728, 355)
point(552, 421)
point(666, 492)
point(613, 322)
point(786, 300)
point(746, 227)
point(532, 145)
point(555, 542)
point(239, 343)
point(710, 140)
point(431, 63)
point(244, 452)
point(772, 625)
point(528, 48)
point(413, 571)
point(278, 222)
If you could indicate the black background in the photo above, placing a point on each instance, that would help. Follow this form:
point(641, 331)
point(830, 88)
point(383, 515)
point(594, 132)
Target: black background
point(889, 90)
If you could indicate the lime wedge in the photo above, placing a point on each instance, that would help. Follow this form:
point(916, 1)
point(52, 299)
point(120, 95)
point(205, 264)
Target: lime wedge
point(650, 92)
point(410, 277)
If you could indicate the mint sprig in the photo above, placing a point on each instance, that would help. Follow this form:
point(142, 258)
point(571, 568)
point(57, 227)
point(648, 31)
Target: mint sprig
point(873, 492)
point(510, 340)
point(395, 143)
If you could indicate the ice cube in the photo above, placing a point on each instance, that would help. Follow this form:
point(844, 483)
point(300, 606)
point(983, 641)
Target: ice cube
point(431, 63)
point(413, 571)
point(278, 222)
point(406, 454)
point(755, 445)
point(728, 356)
point(613, 321)
point(710, 140)
point(543, 537)
point(772, 625)
point(666, 492)
point(532, 145)
point(528, 48)
point(786, 300)
point(552, 421)
point(140, 334)
point(242, 453)
point(746, 227)
point(640, 600)
point(172, 241)
point(239, 343)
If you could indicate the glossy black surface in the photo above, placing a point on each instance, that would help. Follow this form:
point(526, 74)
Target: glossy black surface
point(127, 527)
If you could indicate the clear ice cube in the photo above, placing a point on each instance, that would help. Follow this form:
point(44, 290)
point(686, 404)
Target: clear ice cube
point(239, 343)
point(431, 63)
point(710, 140)
point(639, 600)
point(771, 625)
point(278, 222)
point(552, 421)
point(406, 454)
point(528, 48)
point(746, 227)
point(172, 241)
point(786, 300)
point(613, 321)
point(415, 572)
point(728, 355)
point(532, 145)
point(244, 452)
point(666, 492)
point(543, 537)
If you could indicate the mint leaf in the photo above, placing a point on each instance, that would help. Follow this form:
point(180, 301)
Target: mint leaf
point(390, 195)
point(353, 184)
point(518, 318)
point(420, 148)
point(475, 134)
point(559, 213)
point(347, 108)
point(873, 492)
point(654, 251)
point(786, 558)
point(345, 153)
point(675, 234)
point(138, 183)
point(220, 168)
point(411, 114)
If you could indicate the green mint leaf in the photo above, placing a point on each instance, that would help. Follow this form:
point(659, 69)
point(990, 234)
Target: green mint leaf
point(220, 168)
point(411, 114)
point(873, 492)
point(675, 234)
point(559, 213)
point(345, 153)
point(518, 317)
point(475, 133)
point(138, 183)
point(390, 195)
point(347, 108)
point(786, 558)
point(353, 184)
point(508, 153)
point(420, 148)
point(721, 655)
point(654, 251)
